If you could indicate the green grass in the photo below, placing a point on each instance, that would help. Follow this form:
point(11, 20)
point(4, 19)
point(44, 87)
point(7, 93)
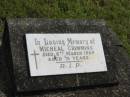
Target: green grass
point(115, 12)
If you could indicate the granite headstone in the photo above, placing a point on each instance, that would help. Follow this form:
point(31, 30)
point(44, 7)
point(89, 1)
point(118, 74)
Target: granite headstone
point(21, 43)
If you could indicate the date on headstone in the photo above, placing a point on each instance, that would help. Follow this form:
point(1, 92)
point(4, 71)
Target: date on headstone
point(56, 54)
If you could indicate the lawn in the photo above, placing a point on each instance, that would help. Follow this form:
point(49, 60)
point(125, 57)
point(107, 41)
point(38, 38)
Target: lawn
point(115, 12)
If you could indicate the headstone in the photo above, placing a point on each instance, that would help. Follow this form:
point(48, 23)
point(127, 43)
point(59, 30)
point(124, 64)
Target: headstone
point(46, 55)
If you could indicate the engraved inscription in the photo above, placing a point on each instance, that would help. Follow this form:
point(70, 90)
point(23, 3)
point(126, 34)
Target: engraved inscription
point(55, 54)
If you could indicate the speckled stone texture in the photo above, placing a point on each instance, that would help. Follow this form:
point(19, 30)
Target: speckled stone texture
point(89, 85)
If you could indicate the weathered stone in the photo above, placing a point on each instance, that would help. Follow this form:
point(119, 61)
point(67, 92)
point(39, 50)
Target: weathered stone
point(91, 85)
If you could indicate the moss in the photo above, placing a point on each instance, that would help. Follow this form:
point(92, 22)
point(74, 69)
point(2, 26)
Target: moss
point(115, 12)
